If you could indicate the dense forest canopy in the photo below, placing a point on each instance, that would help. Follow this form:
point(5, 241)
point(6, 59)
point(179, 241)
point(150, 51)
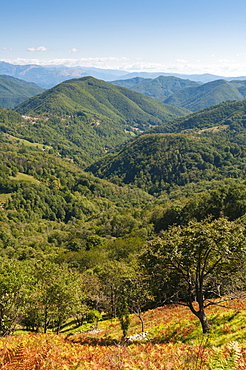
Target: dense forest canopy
point(157, 162)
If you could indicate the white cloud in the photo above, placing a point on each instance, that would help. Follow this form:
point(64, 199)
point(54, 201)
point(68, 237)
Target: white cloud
point(218, 66)
point(40, 48)
point(181, 61)
point(73, 50)
point(241, 54)
point(226, 61)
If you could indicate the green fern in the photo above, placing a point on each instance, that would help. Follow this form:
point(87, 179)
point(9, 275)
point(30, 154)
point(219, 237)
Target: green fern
point(219, 362)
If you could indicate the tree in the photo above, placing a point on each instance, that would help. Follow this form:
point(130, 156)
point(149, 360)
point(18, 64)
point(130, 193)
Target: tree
point(193, 264)
point(126, 290)
point(111, 275)
point(55, 296)
point(14, 279)
point(138, 293)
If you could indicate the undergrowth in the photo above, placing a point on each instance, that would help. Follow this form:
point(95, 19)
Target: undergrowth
point(174, 342)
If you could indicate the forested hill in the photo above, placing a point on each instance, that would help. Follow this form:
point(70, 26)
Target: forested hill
point(211, 93)
point(158, 88)
point(14, 91)
point(206, 145)
point(227, 120)
point(99, 101)
point(185, 93)
point(157, 162)
point(36, 185)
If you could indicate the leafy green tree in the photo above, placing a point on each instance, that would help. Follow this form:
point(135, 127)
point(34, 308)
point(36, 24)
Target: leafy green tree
point(111, 275)
point(193, 264)
point(14, 279)
point(126, 291)
point(54, 297)
point(123, 309)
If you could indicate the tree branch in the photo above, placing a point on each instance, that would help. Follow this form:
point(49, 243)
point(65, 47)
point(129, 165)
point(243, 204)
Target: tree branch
point(210, 303)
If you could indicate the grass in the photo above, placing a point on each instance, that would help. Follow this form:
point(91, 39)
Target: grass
point(23, 177)
point(4, 197)
point(19, 177)
point(28, 143)
point(175, 323)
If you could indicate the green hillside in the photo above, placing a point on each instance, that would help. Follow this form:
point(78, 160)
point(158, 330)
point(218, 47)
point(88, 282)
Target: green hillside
point(71, 139)
point(157, 88)
point(96, 100)
point(225, 120)
point(82, 119)
point(14, 91)
point(211, 93)
point(157, 162)
point(203, 146)
point(240, 85)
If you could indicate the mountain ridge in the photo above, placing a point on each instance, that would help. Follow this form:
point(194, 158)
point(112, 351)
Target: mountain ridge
point(47, 76)
point(96, 97)
point(82, 119)
point(157, 88)
point(211, 93)
point(160, 162)
point(14, 91)
point(206, 145)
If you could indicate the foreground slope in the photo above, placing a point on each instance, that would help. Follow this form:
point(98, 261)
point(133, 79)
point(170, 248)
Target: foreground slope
point(14, 91)
point(173, 342)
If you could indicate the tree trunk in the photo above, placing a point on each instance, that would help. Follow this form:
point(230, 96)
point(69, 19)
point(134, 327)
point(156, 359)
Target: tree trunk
point(45, 320)
point(200, 314)
point(138, 314)
point(142, 322)
point(204, 321)
point(1, 319)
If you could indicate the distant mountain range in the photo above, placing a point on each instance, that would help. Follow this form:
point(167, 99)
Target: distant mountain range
point(14, 91)
point(50, 75)
point(200, 78)
point(191, 92)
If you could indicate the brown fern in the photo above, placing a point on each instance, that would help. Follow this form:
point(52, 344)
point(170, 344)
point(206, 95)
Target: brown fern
point(18, 360)
point(6, 356)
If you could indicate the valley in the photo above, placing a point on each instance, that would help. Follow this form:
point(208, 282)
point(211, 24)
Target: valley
point(124, 213)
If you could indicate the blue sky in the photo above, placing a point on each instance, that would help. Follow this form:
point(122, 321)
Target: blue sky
point(170, 35)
